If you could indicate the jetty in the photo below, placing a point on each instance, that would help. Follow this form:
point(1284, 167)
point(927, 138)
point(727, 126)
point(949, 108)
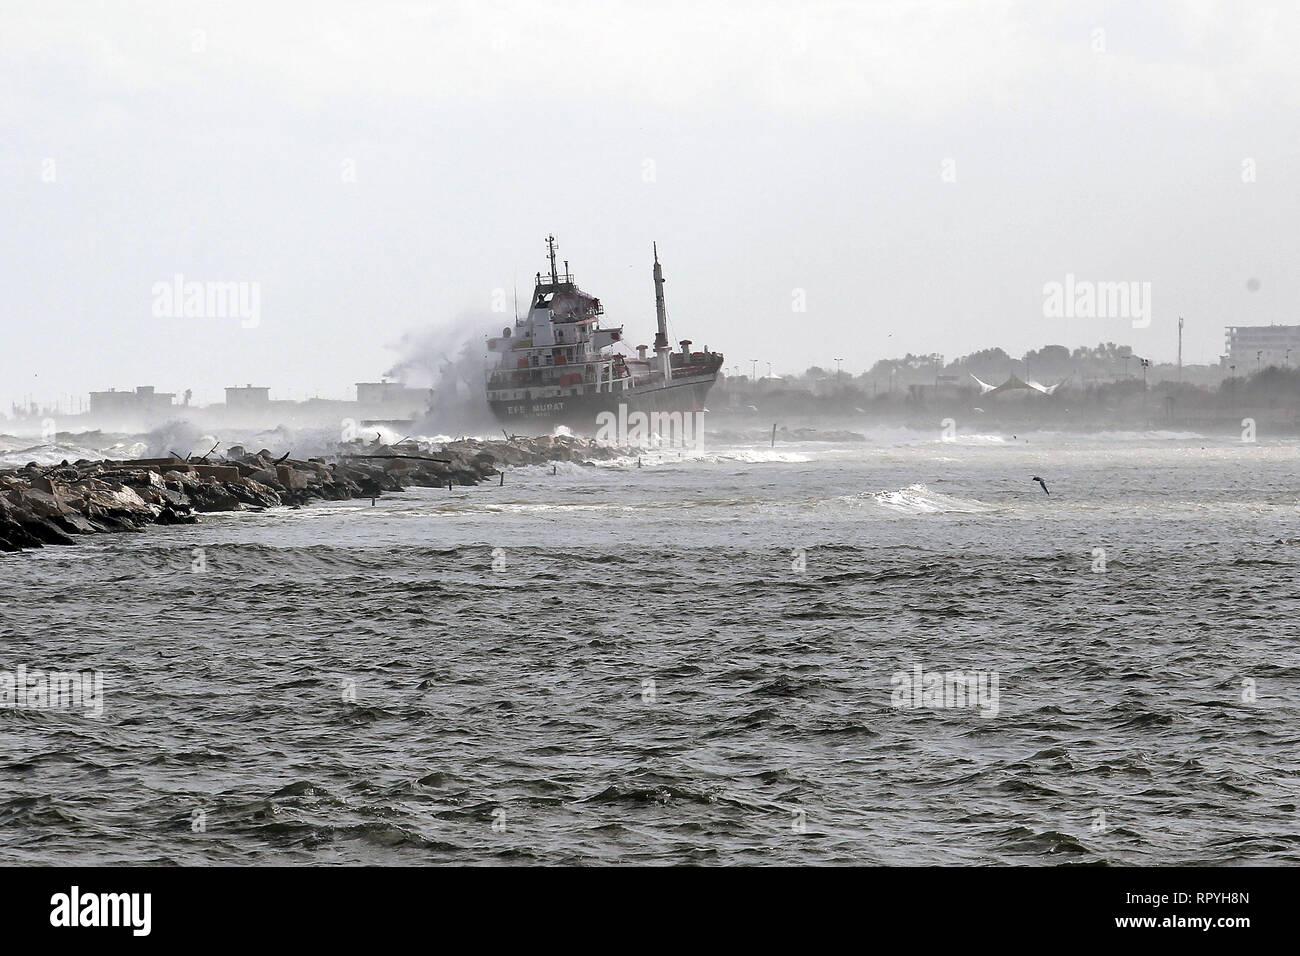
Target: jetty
point(55, 504)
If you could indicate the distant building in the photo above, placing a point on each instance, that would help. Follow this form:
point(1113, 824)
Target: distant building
point(247, 398)
point(392, 399)
point(1257, 346)
point(144, 401)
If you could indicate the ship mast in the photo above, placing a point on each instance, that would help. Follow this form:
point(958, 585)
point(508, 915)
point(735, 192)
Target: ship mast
point(662, 349)
point(550, 250)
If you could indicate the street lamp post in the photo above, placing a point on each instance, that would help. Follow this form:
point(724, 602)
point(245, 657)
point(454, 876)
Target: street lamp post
point(1145, 363)
point(1180, 349)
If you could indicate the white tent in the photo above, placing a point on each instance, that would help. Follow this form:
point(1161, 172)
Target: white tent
point(1013, 383)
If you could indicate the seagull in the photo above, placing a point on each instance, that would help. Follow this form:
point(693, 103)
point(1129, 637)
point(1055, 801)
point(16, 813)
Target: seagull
point(1041, 482)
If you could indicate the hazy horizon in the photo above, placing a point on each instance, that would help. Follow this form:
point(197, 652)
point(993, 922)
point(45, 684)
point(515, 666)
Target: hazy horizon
point(913, 174)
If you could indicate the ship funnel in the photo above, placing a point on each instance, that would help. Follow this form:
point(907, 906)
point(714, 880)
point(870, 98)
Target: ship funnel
point(662, 349)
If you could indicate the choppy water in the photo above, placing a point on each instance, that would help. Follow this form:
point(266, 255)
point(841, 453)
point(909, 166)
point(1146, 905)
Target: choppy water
point(519, 695)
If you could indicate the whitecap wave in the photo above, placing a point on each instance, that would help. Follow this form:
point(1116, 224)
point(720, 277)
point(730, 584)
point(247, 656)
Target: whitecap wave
point(1154, 435)
point(652, 457)
point(50, 453)
point(920, 500)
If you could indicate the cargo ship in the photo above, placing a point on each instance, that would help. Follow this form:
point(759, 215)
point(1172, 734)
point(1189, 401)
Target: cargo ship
point(557, 366)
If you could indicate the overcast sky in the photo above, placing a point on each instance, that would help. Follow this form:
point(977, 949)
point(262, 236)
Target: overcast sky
point(913, 172)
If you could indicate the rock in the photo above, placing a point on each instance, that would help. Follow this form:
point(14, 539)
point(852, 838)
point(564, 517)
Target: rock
point(14, 527)
point(291, 478)
point(74, 523)
point(182, 480)
point(39, 503)
point(48, 532)
point(171, 514)
point(162, 464)
point(219, 472)
point(110, 498)
point(145, 478)
point(253, 493)
point(213, 496)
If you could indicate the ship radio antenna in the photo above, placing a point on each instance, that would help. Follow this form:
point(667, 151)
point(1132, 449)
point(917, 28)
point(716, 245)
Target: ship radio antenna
point(550, 251)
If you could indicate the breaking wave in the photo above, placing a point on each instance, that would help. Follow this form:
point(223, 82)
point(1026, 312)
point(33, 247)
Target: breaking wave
point(668, 456)
point(920, 500)
point(52, 453)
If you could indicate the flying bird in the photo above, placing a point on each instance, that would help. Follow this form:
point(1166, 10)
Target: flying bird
point(1042, 483)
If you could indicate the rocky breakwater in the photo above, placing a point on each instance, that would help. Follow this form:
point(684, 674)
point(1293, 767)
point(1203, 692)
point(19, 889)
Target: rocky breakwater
point(53, 505)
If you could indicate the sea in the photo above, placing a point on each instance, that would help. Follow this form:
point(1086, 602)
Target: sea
point(895, 650)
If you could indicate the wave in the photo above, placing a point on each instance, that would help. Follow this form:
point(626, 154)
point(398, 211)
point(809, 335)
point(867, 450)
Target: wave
point(51, 453)
point(751, 456)
point(1156, 434)
point(960, 439)
point(920, 500)
point(654, 457)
